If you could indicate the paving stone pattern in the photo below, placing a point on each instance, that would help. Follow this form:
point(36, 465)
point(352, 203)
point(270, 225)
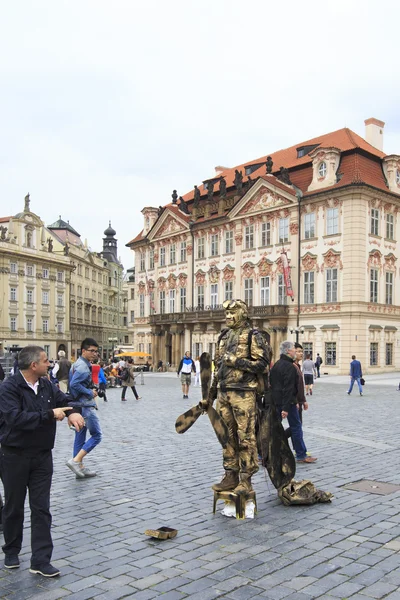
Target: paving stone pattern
point(149, 476)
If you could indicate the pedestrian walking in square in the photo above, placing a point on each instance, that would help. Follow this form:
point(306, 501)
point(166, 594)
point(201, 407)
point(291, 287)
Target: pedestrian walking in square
point(84, 396)
point(308, 370)
point(185, 369)
point(129, 381)
point(355, 374)
point(318, 363)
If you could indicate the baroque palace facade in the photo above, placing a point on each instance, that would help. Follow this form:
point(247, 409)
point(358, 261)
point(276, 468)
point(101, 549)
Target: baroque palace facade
point(55, 291)
point(329, 206)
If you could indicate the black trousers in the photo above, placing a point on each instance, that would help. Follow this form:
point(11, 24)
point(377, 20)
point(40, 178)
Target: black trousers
point(102, 387)
point(133, 388)
point(20, 473)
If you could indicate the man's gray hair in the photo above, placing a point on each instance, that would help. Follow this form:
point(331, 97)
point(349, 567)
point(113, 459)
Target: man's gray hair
point(28, 355)
point(61, 354)
point(286, 346)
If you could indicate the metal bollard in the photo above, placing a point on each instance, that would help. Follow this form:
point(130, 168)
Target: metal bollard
point(141, 377)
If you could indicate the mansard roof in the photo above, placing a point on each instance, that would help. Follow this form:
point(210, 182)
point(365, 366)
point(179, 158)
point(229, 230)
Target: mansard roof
point(360, 164)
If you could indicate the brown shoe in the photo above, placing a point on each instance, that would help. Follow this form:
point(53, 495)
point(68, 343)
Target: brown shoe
point(228, 482)
point(308, 459)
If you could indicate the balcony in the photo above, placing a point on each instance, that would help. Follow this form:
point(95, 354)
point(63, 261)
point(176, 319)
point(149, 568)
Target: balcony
point(217, 314)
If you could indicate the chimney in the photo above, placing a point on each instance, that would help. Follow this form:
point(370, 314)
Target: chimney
point(220, 169)
point(374, 132)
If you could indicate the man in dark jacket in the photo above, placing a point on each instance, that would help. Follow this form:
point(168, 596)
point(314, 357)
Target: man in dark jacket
point(30, 405)
point(355, 374)
point(284, 379)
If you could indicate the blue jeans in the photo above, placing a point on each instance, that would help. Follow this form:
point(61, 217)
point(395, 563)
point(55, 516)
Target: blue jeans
point(296, 429)
point(92, 424)
point(353, 379)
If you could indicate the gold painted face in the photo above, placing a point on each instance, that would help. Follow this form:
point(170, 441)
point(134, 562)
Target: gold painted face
point(236, 313)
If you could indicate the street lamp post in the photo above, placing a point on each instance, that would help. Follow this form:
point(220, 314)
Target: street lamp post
point(297, 330)
point(113, 341)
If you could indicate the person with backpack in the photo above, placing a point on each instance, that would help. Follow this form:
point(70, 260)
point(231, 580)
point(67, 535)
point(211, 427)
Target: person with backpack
point(318, 363)
point(186, 366)
point(128, 380)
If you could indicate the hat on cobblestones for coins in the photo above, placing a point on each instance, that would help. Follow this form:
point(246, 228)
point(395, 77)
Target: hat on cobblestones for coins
point(162, 533)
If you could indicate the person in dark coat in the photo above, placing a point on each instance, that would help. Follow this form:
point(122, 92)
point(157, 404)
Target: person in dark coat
point(284, 379)
point(30, 406)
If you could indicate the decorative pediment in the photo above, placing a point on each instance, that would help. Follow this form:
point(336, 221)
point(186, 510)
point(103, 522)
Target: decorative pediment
point(169, 224)
point(263, 196)
point(390, 261)
point(213, 274)
point(263, 200)
point(332, 260)
point(161, 283)
point(265, 267)
point(228, 273)
point(172, 281)
point(182, 280)
point(309, 262)
point(248, 270)
point(200, 277)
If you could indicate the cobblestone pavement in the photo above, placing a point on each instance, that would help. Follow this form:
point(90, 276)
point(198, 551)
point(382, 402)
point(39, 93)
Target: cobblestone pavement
point(149, 476)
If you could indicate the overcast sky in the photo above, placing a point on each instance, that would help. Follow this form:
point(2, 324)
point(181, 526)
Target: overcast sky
point(106, 106)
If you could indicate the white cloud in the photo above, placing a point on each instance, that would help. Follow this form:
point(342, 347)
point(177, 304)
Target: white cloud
point(108, 106)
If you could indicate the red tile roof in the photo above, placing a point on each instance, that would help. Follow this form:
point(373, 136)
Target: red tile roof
point(344, 139)
point(360, 164)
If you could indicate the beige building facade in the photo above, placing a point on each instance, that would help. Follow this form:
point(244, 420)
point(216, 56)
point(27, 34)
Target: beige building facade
point(96, 289)
point(329, 206)
point(34, 286)
point(55, 291)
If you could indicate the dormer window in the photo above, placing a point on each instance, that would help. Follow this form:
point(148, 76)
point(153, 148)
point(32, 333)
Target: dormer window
point(303, 150)
point(325, 163)
point(251, 168)
point(398, 177)
point(322, 170)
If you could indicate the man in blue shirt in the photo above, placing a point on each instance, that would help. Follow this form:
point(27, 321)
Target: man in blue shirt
point(83, 394)
point(355, 374)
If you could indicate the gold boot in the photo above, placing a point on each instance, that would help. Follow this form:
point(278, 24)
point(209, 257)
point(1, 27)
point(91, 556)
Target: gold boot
point(229, 481)
point(244, 487)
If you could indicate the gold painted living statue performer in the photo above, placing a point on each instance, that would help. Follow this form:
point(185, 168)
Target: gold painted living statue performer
point(241, 357)
point(245, 406)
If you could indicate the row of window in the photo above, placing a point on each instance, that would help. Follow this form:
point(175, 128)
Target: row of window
point(30, 296)
point(141, 348)
point(30, 271)
point(101, 297)
point(250, 242)
point(106, 279)
point(330, 353)
point(264, 297)
point(101, 278)
point(30, 325)
point(375, 224)
point(90, 316)
point(169, 301)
